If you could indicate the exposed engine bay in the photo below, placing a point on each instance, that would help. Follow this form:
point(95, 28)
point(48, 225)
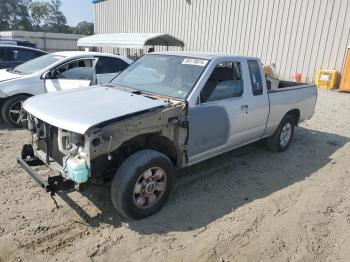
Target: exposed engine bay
point(78, 157)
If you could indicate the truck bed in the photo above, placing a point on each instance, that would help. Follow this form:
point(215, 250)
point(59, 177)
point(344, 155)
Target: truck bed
point(290, 95)
point(287, 85)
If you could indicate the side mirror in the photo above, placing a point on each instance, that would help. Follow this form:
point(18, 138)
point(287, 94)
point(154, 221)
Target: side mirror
point(46, 75)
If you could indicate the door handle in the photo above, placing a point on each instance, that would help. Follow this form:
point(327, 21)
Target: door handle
point(244, 108)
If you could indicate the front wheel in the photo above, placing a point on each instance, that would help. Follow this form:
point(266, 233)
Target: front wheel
point(281, 139)
point(142, 184)
point(12, 111)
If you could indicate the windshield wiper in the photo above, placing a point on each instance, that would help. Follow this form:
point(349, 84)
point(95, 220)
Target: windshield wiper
point(15, 71)
point(123, 88)
point(109, 84)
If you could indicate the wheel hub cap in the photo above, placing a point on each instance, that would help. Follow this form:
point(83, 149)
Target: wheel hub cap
point(286, 134)
point(149, 187)
point(16, 112)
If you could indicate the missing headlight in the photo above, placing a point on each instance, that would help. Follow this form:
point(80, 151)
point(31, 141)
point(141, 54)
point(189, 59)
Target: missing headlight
point(96, 141)
point(69, 142)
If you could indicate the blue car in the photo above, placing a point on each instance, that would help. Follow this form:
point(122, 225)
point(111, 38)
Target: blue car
point(12, 55)
point(18, 42)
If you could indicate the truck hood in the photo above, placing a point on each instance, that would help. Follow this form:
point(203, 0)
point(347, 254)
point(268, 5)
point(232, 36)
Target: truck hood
point(80, 109)
point(5, 75)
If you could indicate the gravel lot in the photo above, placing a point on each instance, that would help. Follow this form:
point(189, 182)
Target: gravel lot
point(247, 205)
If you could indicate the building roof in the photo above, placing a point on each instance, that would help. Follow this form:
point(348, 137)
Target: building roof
point(130, 40)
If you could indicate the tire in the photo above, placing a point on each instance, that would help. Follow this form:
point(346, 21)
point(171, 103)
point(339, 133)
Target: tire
point(132, 194)
point(12, 112)
point(275, 142)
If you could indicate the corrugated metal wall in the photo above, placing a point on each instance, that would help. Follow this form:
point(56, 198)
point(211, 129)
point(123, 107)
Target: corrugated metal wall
point(51, 42)
point(296, 35)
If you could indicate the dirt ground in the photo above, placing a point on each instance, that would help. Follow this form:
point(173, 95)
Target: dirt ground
point(247, 205)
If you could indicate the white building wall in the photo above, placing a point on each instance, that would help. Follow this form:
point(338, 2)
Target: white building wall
point(296, 35)
point(46, 41)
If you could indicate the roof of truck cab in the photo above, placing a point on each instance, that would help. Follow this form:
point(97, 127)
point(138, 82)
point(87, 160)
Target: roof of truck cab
point(203, 55)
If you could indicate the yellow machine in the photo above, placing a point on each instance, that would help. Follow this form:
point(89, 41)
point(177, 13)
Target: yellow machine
point(326, 79)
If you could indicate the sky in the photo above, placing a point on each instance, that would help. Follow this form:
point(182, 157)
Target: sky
point(77, 11)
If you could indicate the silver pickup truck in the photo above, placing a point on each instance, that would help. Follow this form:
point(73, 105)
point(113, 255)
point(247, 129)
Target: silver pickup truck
point(167, 110)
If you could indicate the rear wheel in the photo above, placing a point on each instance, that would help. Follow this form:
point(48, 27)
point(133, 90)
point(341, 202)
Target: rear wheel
point(142, 184)
point(12, 110)
point(281, 139)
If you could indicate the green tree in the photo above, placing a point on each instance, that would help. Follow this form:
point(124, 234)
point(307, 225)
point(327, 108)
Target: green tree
point(56, 20)
point(14, 15)
point(38, 16)
point(23, 21)
point(39, 12)
point(84, 28)
point(5, 14)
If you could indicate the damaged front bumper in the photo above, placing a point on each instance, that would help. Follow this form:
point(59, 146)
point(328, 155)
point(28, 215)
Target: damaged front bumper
point(53, 183)
point(40, 180)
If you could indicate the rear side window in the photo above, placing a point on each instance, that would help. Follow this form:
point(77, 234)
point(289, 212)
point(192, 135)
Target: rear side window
point(108, 65)
point(21, 55)
point(255, 77)
point(38, 54)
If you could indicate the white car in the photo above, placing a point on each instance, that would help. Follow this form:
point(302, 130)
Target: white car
point(54, 72)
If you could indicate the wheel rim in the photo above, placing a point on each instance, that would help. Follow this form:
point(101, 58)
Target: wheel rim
point(16, 113)
point(286, 134)
point(149, 187)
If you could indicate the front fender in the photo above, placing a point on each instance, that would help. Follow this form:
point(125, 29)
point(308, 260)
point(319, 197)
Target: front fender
point(30, 86)
point(3, 95)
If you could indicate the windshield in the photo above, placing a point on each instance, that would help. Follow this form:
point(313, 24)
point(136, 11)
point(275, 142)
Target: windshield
point(166, 75)
point(37, 64)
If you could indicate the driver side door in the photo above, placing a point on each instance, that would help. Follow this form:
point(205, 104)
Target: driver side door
point(73, 74)
point(217, 122)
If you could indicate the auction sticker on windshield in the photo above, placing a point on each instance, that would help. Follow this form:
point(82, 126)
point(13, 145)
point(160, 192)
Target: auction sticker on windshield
point(195, 61)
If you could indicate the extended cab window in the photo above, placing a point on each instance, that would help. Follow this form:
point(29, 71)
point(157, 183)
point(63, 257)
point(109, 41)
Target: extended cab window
point(108, 65)
point(255, 77)
point(75, 70)
point(225, 82)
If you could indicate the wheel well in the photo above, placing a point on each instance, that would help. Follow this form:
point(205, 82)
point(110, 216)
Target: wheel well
point(150, 141)
point(4, 100)
point(15, 95)
point(295, 113)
